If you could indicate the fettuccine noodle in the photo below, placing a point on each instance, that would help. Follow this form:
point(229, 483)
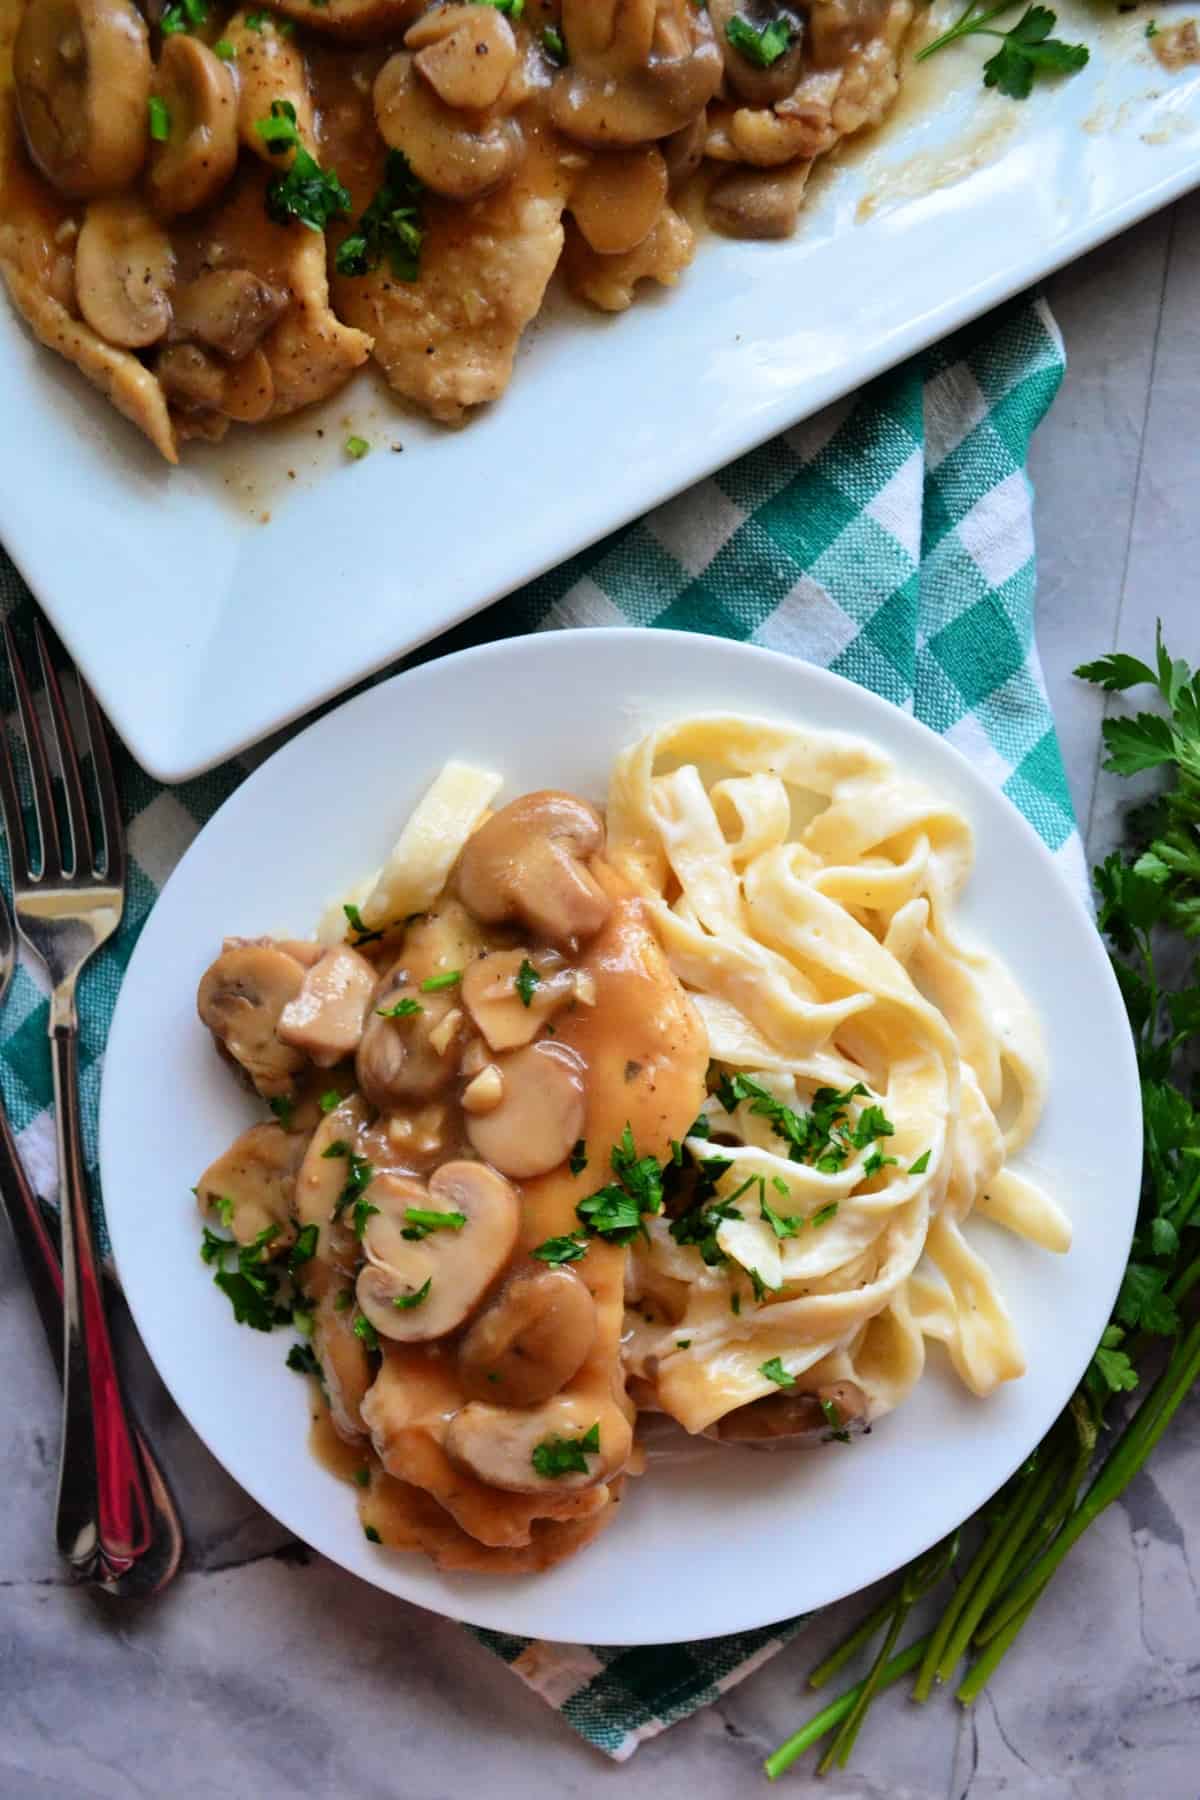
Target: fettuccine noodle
point(804, 891)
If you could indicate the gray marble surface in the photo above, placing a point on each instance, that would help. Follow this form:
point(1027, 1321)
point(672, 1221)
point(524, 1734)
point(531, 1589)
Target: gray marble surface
point(266, 1672)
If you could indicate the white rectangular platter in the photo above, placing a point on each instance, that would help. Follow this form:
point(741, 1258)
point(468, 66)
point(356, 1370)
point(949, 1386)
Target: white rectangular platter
point(212, 603)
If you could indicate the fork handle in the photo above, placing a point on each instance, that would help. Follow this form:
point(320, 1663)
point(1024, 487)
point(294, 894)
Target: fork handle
point(110, 1518)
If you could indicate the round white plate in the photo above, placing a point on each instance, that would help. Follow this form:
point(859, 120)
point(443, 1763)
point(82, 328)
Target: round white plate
point(713, 1540)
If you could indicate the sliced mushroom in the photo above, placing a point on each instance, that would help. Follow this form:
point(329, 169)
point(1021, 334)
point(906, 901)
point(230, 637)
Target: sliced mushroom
point(796, 1420)
point(198, 385)
point(422, 1282)
point(229, 310)
point(540, 1114)
point(82, 75)
point(270, 66)
point(617, 200)
point(240, 998)
point(345, 1365)
point(497, 1443)
point(530, 1340)
point(683, 151)
point(123, 270)
point(750, 81)
point(325, 1020)
point(758, 203)
point(529, 862)
point(191, 165)
point(398, 1059)
point(322, 1181)
point(461, 156)
point(258, 1175)
point(638, 70)
point(510, 1007)
point(465, 53)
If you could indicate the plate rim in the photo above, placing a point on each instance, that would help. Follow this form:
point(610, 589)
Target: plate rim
point(456, 1603)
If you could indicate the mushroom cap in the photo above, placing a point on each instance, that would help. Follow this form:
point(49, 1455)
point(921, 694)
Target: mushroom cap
point(123, 270)
point(322, 1179)
point(530, 1339)
point(240, 998)
point(540, 1114)
point(400, 1058)
point(497, 1443)
point(325, 1019)
point(465, 53)
point(346, 1366)
point(258, 1173)
point(229, 310)
point(796, 1419)
point(758, 203)
point(421, 1283)
point(81, 71)
point(618, 198)
point(191, 166)
point(636, 73)
point(753, 84)
point(529, 862)
point(462, 155)
point(491, 994)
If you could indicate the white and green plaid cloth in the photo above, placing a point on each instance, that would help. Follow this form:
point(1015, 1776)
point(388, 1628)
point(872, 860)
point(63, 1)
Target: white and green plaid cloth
point(889, 539)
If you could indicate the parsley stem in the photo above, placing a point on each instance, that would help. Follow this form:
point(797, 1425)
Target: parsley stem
point(968, 21)
point(782, 1759)
point(984, 1592)
point(972, 1574)
point(1183, 1284)
point(1116, 1472)
point(837, 1659)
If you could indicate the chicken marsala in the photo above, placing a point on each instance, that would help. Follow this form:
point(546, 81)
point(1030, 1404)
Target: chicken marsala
point(219, 215)
point(458, 1097)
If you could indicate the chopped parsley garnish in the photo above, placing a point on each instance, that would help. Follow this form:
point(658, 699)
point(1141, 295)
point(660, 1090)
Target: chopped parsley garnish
point(735, 1304)
point(826, 1136)
point(701, 1127)
point(761, 45)
point(257, 21)
point(824, 1213)
point(300, 1357)
point(922, 1163)
point(1026, 49)
point(342, 1300)
point(339, 1147)
point(422, 1220)
point(682, 1343)
point(361, 1477)
point(390, 226)
point(371, 1535)
point(160, 119)
point(306, 192)
point(514, 8)
point(578, 1159)
point(225, 50)
point(554, 46)
point(213, 1246)
point(329, 1100)
point(833, 1419)
point(284, 1110)
point(303, 1249)
point(252, 1289)
point(356, 447)
point(364, 1330)
point(615, 1211)
point(183, 15)
point(362, 934)
point(558, 1250)
point(758, 1284)
point(406, 1302)
point(775, 1371)
point(363, 1213)
point(435, 984)
point(358, 1180)
point(225, 1211)
point(403, 1009)
point(556, 1456)
point(781, 1226)
point(303, 1321)
point(527, 978)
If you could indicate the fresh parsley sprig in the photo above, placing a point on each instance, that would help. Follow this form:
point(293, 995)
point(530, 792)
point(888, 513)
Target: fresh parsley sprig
point(1026, 49)
point(306, 192)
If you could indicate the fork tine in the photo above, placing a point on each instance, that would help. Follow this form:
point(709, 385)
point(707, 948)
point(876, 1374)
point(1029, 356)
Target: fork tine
point(106, 787)
point(82, 854)
point(10, 810)
point(39, 768)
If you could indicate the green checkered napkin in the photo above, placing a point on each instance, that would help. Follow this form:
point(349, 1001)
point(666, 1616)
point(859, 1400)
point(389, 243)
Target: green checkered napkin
point(889, 539)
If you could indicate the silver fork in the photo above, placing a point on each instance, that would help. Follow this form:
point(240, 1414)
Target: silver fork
point(116, 1524)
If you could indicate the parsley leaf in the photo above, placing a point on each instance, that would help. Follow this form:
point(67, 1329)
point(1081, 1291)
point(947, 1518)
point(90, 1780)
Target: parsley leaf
point(775, 1371)
point(761, 45)
point(355, 921)
point(300, 1357)
point(183, 15)
point(616, 1211)
point(403, 1009)
point(365, 1331)
point(578, 1160)
point(527, 978)
point(391, 227)
point(422, 1220)
point(922, 1163)
point(558, 1250)
point(303, 1249)
point(1026, 49)
point(435, 984)
point(556, 1456)
point(781, 1226)
point(833, 1419)
point(284, 1110)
